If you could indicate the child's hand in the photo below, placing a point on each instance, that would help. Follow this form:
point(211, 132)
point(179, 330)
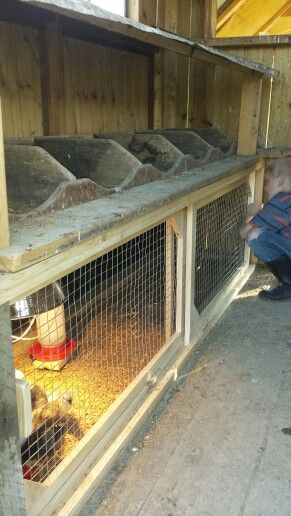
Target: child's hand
point(253, 209)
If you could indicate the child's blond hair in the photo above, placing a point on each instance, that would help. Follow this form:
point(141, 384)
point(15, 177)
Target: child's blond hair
point(280, 168)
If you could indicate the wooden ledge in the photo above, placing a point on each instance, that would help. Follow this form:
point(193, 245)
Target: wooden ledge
point(250, 41)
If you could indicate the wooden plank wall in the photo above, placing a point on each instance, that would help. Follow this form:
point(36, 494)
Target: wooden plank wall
point(184, 80)
point(105, 89)
point(20, 80)
point(223, 99)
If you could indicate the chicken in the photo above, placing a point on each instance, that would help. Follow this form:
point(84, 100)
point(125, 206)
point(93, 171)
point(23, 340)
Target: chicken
point(44, 441)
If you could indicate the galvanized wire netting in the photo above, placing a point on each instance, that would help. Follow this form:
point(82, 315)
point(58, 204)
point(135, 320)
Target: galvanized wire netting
point(81, 341)
point(219, 249)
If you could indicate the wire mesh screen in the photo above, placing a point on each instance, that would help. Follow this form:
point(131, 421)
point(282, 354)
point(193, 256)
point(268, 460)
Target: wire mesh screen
point(79, 342)
point(219, 249)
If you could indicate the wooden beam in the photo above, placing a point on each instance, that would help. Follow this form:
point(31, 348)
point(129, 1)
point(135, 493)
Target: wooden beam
point(12, 497)
point(210, 19)
point(52, 78)
point(4, 221)
point(250, 41)
point(249, 115)
point(227, 12)
point(266, 26)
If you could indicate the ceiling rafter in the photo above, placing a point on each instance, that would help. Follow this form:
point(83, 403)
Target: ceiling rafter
point(274, 18)
point(226, 12)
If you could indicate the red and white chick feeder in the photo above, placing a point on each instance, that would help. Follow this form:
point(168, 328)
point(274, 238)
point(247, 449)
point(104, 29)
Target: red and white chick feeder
point(52, 349)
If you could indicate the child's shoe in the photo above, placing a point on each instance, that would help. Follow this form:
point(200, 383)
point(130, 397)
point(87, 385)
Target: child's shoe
point(281, 293)
point(281, 268)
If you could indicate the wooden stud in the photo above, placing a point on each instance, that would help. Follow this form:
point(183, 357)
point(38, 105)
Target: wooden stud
point(132, 9)
point(161, 13)
point(192, 317)
point(143, 11)
point(170, 89)
point(12, 498)
point(210, 18)
point(249, 115)
point(4, 221)
point(158, 89)
point(52, 79)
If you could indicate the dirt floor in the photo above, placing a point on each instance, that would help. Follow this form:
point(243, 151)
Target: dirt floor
point(221, 445)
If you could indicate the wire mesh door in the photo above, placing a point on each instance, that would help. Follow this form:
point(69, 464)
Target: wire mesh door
point(219, 249)
point(79, 342)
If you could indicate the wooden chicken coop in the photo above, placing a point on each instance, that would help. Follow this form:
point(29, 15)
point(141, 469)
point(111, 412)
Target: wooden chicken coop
point(119, 214)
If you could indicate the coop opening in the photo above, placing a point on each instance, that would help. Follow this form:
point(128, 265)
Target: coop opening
point(219, 249)
point(79, 342)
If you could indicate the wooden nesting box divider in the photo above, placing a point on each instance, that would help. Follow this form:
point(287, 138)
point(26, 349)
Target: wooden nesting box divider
point(131, 267)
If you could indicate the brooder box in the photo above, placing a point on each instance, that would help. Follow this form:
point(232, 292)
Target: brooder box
point(128, 301)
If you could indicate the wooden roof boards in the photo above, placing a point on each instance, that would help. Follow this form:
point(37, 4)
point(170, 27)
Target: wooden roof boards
point(84, 11)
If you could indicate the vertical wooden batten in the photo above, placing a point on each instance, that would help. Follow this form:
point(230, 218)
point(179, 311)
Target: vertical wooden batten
point(210, 19)
point(12, 497)
point(249, 115)
point(4, 221)
point(144, 11)
point(52, 78)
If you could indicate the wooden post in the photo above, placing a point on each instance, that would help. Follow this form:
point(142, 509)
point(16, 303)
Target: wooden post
point(258, 193)
point(52, 79)
point(210, 19)
point(4, 221)
point(249, 115)
point(144, 11)
point(12, 497)
point(169, 280)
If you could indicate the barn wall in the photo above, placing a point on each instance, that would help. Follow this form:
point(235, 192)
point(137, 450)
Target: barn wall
point(20, 80)
point(223, 101)
point(105, 89)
